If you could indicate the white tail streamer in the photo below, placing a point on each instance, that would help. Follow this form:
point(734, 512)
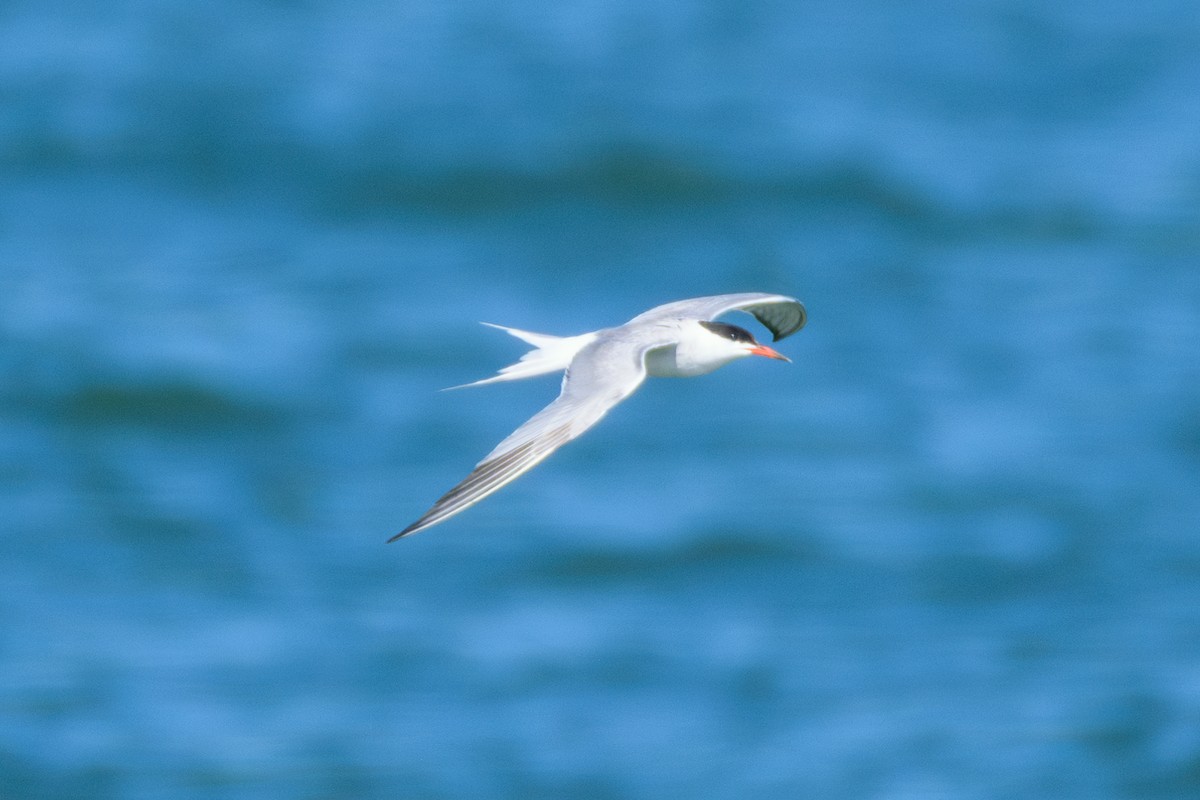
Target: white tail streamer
point(550, 354)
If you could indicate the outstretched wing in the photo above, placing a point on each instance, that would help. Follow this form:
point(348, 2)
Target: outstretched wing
point(603, 374)
point(780, 314)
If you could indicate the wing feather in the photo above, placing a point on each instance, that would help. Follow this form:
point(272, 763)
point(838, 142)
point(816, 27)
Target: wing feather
point(489, 476)
point(610, 372)
point(780, 314)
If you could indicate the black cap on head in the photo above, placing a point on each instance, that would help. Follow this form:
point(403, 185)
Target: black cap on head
point(730, 332)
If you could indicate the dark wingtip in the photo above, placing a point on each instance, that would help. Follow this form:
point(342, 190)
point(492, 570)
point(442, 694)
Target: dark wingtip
point(410, 529)
point(780, 334)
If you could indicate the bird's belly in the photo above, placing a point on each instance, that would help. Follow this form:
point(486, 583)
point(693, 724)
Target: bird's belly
point(664, 362)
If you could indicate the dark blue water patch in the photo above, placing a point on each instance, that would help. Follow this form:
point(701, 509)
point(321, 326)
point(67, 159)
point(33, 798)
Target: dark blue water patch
point(182, 408)
point(630, 179)
point(32, 778)
point(726, 552)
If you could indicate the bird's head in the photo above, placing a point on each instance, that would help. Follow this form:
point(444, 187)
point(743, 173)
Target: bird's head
point(726, 342)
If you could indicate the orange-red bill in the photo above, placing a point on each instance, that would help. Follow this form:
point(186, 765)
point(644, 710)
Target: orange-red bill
point(763, 350)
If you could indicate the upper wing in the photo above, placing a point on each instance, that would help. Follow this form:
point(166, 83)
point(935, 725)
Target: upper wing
point(780, 314)
point(603, 374)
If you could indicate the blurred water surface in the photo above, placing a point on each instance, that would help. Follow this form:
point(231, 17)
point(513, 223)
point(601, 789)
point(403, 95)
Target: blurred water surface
point(951, 552)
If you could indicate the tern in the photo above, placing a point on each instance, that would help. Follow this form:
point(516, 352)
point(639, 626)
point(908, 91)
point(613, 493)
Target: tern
point(676, 340)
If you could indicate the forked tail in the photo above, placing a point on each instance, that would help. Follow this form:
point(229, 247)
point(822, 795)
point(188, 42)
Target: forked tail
point(550, 354)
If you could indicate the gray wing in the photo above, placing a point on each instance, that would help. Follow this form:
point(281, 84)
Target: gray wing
point(601, 375)
point(780, 314)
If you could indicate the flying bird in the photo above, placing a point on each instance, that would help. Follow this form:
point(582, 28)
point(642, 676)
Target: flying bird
point(676, 340)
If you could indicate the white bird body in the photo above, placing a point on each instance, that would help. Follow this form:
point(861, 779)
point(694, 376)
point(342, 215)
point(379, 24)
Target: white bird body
point(696, 352)
point(676, 340)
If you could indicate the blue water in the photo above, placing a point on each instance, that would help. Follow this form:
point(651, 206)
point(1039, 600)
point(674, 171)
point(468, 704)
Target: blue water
point(952, 552)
